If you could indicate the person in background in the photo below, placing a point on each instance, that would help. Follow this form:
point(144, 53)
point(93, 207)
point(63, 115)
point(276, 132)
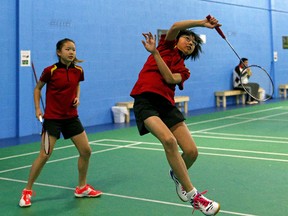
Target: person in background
point(155, 109)
point(61, 116)
point(244, 75)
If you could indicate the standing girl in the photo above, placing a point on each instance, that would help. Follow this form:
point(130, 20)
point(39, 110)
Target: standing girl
point(155, 109)
point(61, 116)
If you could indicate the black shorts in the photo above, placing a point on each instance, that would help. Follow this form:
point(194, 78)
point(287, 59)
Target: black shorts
point(68, 127)
point(150, 104)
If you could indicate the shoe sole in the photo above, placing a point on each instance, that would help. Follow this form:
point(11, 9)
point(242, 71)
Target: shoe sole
point(181, 197)
point(217, 210)
point(25, 206)
point(89, 196)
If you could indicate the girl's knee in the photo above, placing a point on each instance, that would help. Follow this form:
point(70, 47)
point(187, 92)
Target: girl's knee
point(44, 157)
point(191, 153)
point(170, 143)
point(86, 153)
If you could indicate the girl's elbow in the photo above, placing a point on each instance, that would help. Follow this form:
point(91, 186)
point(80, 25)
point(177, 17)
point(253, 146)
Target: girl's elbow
point(171, 81)
point(175, 26)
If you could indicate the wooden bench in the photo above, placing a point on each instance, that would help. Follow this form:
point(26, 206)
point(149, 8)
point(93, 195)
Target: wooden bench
point(180, 101)
point(283, 90)
point(221, 96)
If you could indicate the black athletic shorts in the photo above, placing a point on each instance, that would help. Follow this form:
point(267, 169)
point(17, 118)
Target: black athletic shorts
point(68, 127)
point(150, 104)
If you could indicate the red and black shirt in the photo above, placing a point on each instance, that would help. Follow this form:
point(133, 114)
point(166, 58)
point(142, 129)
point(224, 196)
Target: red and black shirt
point(61, 90)
point(150, 78)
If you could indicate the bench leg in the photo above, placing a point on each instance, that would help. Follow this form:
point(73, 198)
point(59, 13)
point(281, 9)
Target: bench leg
point(218, 101)
point(127, 117)
point(224, 101)
point(185, 107)
point(280, 92)
point(237, 99)
point(243, 98)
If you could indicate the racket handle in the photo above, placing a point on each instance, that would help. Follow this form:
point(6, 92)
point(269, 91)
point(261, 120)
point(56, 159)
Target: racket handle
point(217, 28)
point(40, 119)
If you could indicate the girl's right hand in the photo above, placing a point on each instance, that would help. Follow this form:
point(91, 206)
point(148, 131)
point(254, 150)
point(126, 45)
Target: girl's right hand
point(150, 42)
point(212, 22)
point(38, 113)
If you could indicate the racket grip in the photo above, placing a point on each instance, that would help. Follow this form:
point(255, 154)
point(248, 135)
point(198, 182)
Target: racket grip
point(217, 28)
point(40, 119)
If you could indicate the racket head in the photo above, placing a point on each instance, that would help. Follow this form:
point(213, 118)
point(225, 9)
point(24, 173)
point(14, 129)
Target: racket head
point(45, 142)
point(257, 74)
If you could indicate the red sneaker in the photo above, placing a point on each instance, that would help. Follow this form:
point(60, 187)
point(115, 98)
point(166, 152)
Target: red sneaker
point(87, 191)
point(25, 200)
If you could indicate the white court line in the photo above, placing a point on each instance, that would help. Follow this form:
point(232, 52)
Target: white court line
point(133, 146)
point(270, 120)
point(223, 155)
point(244, 135)
point(244, 151)
point(243, 139)
point(125, 197)
point(31, 153)
point(232, 124)
point(245, 157)
point(115, 147)
point(208, 148)
point(37, 152)
point(200, 131)
point(68, 158)
point(233, 116)
point(199, 147)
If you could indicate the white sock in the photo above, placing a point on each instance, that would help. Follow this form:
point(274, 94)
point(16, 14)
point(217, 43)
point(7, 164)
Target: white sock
point(191, 194)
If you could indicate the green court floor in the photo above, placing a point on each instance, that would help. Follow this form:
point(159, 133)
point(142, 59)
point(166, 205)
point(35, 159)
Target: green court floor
point(243, 163)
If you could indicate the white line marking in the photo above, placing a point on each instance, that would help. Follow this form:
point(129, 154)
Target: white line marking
point(244, 151)
point(67, 158)
point(246, 135)
point(232, 124)
point(206, 148)
point(124, 196)
point(242, 139)
point(233, 116)
point(245, 157)
point(134, 143)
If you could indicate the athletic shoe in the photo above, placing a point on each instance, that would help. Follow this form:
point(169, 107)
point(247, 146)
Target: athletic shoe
point(87, 191)
point(25, 200)
point(206, 206)
point(182, 194)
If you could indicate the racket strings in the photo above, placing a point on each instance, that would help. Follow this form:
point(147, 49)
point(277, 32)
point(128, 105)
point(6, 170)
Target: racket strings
point(46, 141)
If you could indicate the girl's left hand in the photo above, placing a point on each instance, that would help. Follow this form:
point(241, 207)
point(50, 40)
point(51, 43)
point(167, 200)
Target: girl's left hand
point(76, 102)
point(150, 42)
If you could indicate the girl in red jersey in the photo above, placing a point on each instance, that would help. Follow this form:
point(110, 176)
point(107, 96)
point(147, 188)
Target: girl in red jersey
point(61, 116)
point(155, 109)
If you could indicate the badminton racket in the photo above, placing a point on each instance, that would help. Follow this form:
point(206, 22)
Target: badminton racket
point(255, 74)
point(45, 141)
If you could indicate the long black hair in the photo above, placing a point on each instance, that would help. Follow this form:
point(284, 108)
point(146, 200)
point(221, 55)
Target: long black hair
point(198, 42)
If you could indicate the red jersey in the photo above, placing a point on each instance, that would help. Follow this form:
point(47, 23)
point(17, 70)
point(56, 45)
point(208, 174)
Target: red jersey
point(150, 78)
point(61, 90)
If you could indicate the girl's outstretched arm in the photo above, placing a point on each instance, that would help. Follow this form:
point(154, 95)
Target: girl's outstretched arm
point(150, 46)
point(186, 24)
